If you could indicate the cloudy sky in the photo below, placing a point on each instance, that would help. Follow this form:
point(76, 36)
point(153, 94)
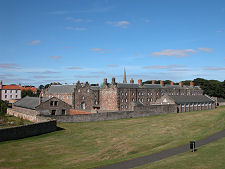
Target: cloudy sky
point(69, 40)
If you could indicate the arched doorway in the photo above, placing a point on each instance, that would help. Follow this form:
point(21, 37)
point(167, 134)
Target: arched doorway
point(82, 106)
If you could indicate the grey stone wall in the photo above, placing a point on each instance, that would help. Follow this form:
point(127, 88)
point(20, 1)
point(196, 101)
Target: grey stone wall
point(156, 110)
point(27, 130)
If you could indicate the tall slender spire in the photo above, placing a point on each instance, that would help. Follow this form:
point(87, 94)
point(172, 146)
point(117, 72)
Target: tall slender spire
point(124, 76)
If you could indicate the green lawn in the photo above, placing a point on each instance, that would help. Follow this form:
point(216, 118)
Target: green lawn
point(10, 121)
point(87, 145)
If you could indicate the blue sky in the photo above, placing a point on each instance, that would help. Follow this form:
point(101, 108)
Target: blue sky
point(68, 40)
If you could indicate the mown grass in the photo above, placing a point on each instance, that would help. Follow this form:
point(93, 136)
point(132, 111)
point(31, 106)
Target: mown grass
point(11, 121)
point(88, 145)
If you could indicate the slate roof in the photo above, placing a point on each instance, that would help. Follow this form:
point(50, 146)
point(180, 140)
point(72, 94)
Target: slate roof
point(29, 102)
point(61, 89)
point(191, 99)
point(154, 86)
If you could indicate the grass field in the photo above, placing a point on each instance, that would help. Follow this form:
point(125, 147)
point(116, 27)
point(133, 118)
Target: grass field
point(87, 145)
point(10, 121)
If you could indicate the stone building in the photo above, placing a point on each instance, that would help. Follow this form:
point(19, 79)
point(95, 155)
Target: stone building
point(86, 96)
point(187, 103)
point(42, 106)
point(62, 92)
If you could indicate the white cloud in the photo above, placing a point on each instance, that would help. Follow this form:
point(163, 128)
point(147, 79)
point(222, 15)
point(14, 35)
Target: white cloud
point(163, 66)
point(122, 24)
point(205, 49)
point(9, 66)
point(76, 28)
point(174, 52)
point(74, 19)
point(55, 57)
point(99, 50)
point(213, 68)
point(34, 42)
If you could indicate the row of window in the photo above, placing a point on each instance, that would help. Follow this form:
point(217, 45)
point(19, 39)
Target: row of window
point(139, 93)
point(53, 103)
point(11, 96)
point(79, 90)
point(63, 112)
point(10, 91)
point(196, 104)
point(140, 100)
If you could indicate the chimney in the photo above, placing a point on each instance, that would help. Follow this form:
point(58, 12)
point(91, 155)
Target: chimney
point(191, 83)
point(171, 83)
point(153, 81)
point(181, 84)
point(161, 83)
point(140, 82)
point(40, 100)
point(1, 84)
point(113, 81)
point(131, 80)
point(105, 81)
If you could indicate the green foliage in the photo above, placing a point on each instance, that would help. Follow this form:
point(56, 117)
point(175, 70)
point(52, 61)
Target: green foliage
point(27, 93)
point(3, 108)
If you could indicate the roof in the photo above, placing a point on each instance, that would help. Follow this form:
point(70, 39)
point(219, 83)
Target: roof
point(32, 88)
point(61, 88)
point(154, 86)
point(11, 87)
point(191, 99)
point(29, 102)
point(94, 87)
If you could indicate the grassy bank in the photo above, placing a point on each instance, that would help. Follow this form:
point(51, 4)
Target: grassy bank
point(11, 121)
point(87, 145)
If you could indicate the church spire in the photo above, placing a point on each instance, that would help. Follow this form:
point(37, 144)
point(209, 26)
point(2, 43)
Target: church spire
point(124, 76)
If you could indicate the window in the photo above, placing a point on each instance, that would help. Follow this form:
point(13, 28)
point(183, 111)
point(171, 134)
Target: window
point(87, 90)
point(142, 100)
point(78, 90)
point(157, 93)
point(53, 112)
point(148, 99)
point(133, 94)
point(10, 91)
point(16, 96)
point(126, 106)
point(10, 96)
point(63, 111)
point(5, 96)
point(151, 94)
point(122, 107)
point(125, 100)
point(51, 103)
point(133, 100)
point(125, 94)
point(151, 99)
point(148, 94)
point(16, 91)
point(56, 103)
point(5, 91)
point(142, 94)
point(121, 100)
point(122, 93)
point(83, 106)
point(139, 93)
point(82, 97)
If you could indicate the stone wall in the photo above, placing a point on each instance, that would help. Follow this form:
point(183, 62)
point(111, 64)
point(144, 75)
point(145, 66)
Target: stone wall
point(19, 132)
point(155, 110)
point(26, 114)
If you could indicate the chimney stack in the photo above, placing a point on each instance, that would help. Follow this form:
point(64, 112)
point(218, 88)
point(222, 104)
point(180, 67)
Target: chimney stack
point(105, 81)
point(171, 83)
point(40, 100)
point(181, 84)
point(140, 82)
point(161, 83)
point(153, 81)
point(1, 84)
point(191, 83)
point(131, 80)
point(113, 81)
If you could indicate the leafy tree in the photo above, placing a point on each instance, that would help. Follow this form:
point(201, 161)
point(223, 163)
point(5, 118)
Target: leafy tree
point(27, 93)
point(3, 108)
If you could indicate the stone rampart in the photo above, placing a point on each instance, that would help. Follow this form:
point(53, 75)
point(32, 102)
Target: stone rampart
point(35, 129)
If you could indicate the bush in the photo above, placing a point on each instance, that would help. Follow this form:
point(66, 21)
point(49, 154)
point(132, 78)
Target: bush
point(3, 108)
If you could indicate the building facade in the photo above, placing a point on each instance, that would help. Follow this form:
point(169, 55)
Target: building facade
point(10, 93)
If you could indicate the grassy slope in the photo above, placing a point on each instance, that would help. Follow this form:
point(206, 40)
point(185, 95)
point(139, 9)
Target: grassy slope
point(10, 121)
point(86, 145)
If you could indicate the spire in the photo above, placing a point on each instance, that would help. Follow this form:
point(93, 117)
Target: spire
point(124, 76)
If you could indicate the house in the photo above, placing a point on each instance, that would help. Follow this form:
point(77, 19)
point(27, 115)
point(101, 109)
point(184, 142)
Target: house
point(42, 106)
point(187, 103)
point(10, 93)
point(32, 88)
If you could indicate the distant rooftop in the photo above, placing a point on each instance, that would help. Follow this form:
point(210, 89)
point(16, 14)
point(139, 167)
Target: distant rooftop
point(61, 88)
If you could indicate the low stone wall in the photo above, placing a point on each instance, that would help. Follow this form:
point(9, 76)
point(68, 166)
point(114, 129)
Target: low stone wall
point(156, 110)
point(35, 129)
point(26, 114)
point(161, 109)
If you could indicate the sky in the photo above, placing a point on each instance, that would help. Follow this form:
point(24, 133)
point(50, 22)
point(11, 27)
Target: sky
point(88, 40)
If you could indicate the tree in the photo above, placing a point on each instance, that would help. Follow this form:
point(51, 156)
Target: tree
point(27, 93)
point(3, 108)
